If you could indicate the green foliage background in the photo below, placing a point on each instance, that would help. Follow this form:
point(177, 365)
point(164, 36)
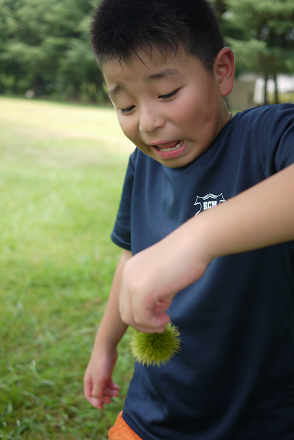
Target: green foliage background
point(44, 45)
point(61, 174)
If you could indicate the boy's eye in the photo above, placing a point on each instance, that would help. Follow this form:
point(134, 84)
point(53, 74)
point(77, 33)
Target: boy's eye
point(127, 110)
point(169, 95)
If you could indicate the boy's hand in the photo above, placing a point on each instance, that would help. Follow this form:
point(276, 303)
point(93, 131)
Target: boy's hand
point(152, 278)
point(99, 387)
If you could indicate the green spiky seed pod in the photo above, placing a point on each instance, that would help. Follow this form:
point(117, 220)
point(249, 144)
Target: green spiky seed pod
point(156, 348)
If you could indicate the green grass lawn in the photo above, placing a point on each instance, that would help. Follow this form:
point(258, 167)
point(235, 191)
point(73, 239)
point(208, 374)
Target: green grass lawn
point(61, 172)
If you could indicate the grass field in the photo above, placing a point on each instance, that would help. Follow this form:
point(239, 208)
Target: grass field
point(61, 171)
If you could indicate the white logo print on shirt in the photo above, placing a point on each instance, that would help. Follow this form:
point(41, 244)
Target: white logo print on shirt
point(208, 202)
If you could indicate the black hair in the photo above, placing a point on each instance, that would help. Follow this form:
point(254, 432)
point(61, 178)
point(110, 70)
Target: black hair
point(121, 28)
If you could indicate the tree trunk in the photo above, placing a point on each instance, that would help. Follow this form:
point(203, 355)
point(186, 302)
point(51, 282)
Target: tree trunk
point(76, 90)
point(276, 89)
point(37, 85)
point(265, 89)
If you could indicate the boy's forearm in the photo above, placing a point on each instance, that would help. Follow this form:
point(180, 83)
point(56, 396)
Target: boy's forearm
point(112, 328)
point(259, 217)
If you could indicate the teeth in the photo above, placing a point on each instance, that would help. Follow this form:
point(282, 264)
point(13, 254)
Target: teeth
point(179, 144)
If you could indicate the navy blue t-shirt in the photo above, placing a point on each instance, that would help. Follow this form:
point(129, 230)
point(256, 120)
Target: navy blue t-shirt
point(234, 376)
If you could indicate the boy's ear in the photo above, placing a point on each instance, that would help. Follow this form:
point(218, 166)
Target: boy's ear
point(224, 69)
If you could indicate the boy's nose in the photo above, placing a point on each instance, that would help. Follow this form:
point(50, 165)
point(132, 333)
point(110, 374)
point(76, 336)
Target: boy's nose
point(150, 121)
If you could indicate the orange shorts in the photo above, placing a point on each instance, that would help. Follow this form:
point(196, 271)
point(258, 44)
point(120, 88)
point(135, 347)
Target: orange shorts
point(121, 430)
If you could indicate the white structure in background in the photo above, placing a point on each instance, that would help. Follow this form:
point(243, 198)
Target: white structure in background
point(249, 90)
point(285, 85)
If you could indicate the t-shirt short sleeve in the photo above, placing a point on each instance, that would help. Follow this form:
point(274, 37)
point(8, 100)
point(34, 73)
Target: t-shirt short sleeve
point(121, 233)
point(275, 137)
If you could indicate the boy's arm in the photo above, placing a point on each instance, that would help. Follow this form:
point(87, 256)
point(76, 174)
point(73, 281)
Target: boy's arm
point(99, 387)
point(260, 216)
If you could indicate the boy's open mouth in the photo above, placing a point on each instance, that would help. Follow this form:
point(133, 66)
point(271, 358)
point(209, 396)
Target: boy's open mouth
point(171, 146)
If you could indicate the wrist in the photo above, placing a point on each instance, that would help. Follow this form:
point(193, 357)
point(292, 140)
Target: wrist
point(207, 235)
point(200, 238)
point(103, 346)
point(107, 340)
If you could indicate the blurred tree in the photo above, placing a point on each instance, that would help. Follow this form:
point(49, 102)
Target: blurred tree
point(45, 46)
point(262, 37)
point(78, 66)
point(228, 27)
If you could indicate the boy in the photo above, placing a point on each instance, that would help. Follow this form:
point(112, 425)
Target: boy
point(224, 275)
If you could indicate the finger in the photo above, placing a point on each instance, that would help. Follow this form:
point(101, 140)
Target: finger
point(88, 385)
point(151, 313)
point(114, 386)
point(112, 389)
point(108, 392)
point(161, 306)
point(156, 324)
point(97, 391)
point(97, 403)
point(147, 316)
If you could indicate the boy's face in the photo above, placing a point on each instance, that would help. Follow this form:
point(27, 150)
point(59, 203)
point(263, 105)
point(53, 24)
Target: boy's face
point(171, 109)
